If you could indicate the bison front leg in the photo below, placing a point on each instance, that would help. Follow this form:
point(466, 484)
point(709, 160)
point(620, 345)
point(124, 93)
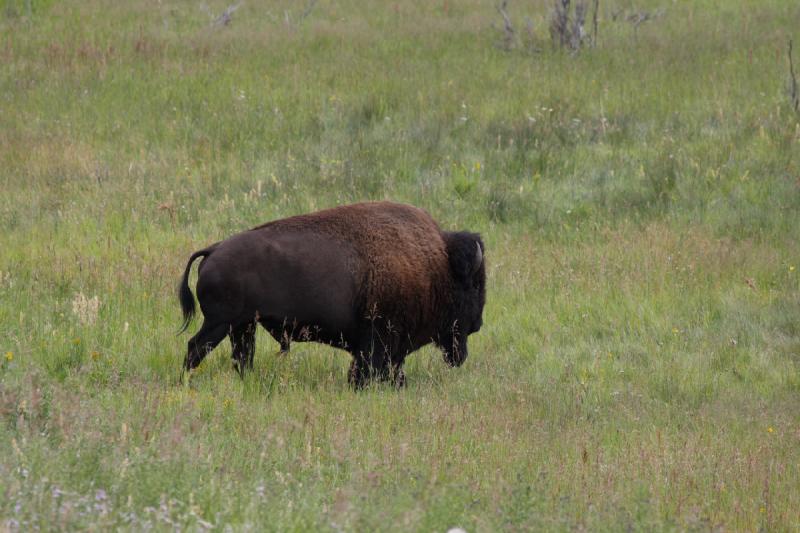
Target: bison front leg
point(370, 361)
point(401, 350)
point(358, 375)
point(285, 343)
point(397, 376)
point(243, 346)
point(364, 368)
point(361, 373)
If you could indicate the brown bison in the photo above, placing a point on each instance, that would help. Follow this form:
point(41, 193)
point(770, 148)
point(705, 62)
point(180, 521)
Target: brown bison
point(379, 280)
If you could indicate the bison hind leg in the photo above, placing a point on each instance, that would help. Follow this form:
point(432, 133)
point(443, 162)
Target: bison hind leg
point(358, 375)
point(243, 346)
point(398, 377)
point(283, 338)
point(203, 342)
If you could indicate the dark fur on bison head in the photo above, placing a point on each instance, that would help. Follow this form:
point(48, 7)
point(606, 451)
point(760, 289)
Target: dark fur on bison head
point(468, 269)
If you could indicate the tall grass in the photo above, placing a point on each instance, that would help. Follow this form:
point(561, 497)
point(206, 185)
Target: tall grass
point(638, 367)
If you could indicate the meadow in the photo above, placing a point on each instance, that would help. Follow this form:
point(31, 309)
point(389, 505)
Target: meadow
point(639, 364)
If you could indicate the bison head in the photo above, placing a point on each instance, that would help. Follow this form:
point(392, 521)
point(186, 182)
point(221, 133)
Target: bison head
point(468, 271)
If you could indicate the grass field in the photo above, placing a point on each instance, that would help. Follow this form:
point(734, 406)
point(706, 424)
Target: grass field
point(639, 364)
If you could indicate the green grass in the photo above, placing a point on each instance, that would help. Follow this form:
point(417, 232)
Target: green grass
point(639, 365)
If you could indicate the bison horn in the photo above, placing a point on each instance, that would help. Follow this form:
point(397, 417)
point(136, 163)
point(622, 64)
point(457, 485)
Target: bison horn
point(478, 258)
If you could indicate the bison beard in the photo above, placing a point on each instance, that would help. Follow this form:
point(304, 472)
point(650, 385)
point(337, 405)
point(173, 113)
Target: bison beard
point(379, 280)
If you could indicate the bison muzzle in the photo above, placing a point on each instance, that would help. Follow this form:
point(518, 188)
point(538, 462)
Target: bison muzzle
point(377, 279)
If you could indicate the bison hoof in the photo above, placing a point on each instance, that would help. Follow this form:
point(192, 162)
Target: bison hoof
point(357, 382)
point(240, 368)
point(356, 376)
point(400, 379)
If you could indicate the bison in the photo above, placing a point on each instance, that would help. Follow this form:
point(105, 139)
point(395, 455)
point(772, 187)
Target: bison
point(377, 279)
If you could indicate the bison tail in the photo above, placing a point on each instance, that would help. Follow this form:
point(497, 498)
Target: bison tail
point(185, 293)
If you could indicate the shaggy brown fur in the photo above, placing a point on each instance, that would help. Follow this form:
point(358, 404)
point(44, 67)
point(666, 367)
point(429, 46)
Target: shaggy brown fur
point(401, 261)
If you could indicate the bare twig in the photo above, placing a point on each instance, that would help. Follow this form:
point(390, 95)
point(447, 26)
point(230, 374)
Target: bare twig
point(569, 32)
point(530, 43)
point(508, 40)
point(225, 18)
point(793, 94)
point(307, 11)
point(638, 18)
point(577, 34)
point(287, 15)
point(594, 23)
point(643, 16)
point(559, 23)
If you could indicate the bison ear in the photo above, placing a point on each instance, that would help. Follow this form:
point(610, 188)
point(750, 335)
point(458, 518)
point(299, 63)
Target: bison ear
point(465, 253)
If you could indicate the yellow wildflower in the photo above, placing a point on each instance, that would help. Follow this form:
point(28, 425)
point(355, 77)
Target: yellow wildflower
point(791, 268)
point(76, 341)
point(9, 356)
point(95, 355)
point(770, 429)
